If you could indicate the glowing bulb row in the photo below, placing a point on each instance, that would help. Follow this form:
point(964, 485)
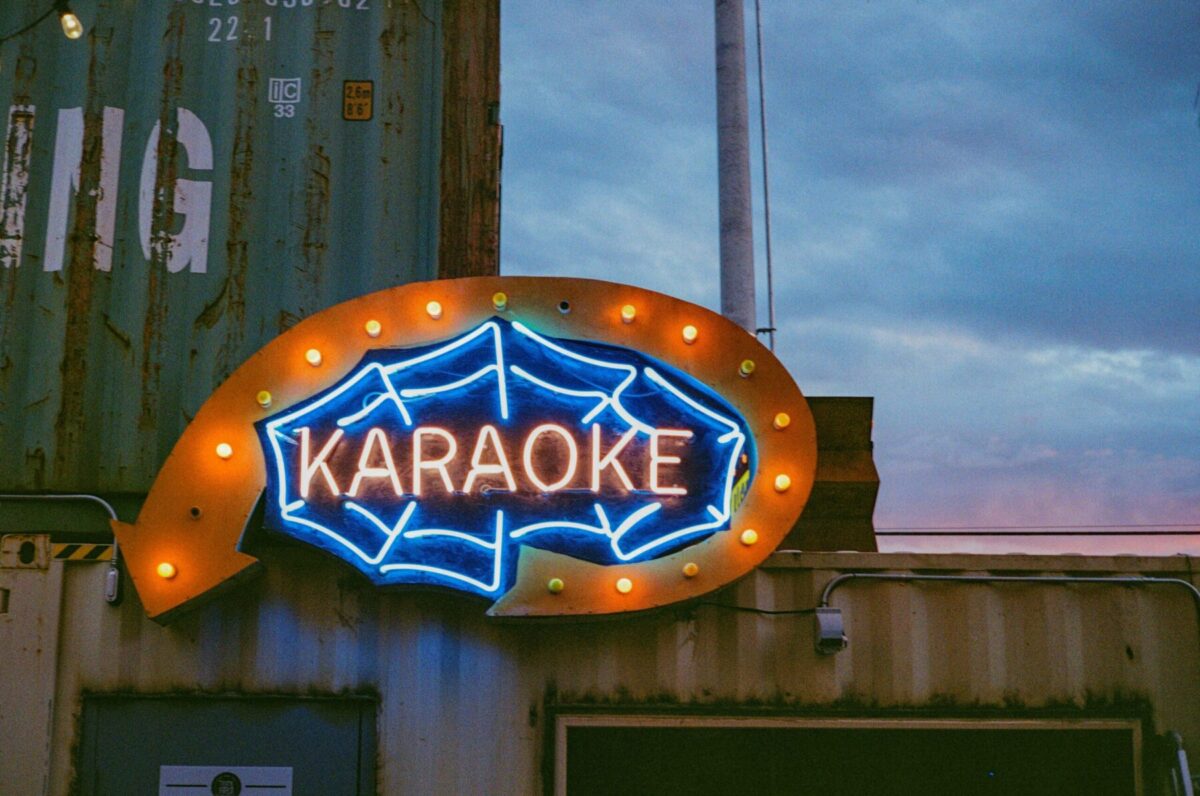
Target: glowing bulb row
point(433, 308)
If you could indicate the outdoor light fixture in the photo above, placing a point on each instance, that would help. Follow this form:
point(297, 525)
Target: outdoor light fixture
point(373, 328)
point(72, 27)
point(434, 308)
point(830, 633)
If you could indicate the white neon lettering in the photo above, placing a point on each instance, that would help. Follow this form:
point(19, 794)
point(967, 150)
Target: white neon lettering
point(478, 467)
point(310, 467)
point(657, 458)
point(609, 459)
point(572, 461)
point(420, 463)
point(375, 437)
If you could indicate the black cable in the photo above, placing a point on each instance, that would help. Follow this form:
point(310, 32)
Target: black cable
point(1194, 532)
point(1033, 527)
point(31, 25)
point(747, 609)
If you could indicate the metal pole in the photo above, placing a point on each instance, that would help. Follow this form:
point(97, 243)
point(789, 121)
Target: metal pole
point(733, 167)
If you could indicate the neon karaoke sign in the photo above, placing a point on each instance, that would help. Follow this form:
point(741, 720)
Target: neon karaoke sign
point(555, 446)
point(435, 464)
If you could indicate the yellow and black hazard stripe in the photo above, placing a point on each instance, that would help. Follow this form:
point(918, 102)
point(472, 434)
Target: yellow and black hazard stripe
point(81, 552)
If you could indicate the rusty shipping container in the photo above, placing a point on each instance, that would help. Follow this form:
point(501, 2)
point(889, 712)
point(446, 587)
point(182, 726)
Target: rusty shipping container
point(191, 178)
point(458, 704)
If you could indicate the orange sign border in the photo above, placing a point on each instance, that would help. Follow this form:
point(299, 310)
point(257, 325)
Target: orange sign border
point(197, 509)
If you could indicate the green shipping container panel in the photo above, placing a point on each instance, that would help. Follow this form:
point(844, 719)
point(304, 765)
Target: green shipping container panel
point(192, 177)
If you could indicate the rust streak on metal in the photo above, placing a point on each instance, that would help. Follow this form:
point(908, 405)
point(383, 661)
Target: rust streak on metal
point(162, 218)
point(232, 300)
point(71, 448)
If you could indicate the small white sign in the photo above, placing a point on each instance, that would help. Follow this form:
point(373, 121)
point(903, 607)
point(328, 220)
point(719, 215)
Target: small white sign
point(225, 780)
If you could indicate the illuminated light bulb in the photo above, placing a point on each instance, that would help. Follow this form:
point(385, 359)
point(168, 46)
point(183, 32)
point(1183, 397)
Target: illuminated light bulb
point(373, 328)
point(72, 27)
point(555, 586)
point(166, 570)
point(313, 357)
point(263, 398)
point(628, 313)
point(624, 585)
point(782, 421)
point(746, 368)
point(690, 333)
point(224, 450)
point(782, 482)
point(434, 308)
point(749, 537)
point(691, 569)
point(500, 300)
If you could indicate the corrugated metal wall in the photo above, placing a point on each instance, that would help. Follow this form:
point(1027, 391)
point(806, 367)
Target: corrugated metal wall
point(463, 700)
point(187, 180)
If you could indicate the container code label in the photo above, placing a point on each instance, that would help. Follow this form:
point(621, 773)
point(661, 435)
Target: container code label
point(358, 100)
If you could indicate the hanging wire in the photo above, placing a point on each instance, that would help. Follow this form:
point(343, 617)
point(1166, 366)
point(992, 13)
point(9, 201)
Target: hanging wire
point(1120, 529)
point(762, 127)
point(53, 7)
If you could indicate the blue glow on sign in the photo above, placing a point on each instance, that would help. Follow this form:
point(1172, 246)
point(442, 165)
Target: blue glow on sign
point(433, 465)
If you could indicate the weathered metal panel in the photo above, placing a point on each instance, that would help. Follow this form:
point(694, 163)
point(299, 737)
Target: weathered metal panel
point(30, 587)
point(463, 700)
point(182, 184)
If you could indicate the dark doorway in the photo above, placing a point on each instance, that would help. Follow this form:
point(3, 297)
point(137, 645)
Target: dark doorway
point(242, 745)
point(964, 759)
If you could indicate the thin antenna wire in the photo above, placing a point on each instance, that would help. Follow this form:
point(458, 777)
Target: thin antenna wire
point(762, 126)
